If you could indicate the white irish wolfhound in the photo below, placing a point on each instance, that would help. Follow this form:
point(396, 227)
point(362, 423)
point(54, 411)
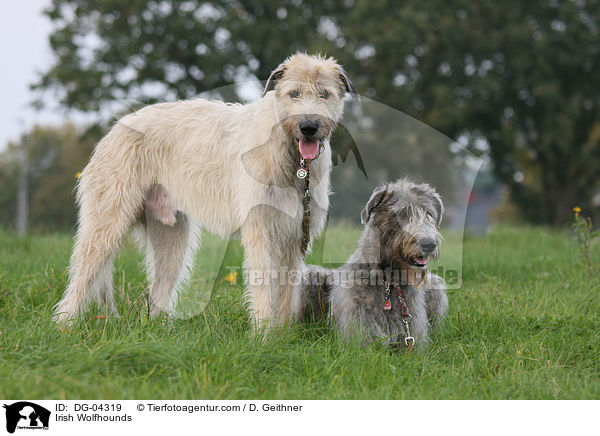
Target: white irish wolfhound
point(174, 168)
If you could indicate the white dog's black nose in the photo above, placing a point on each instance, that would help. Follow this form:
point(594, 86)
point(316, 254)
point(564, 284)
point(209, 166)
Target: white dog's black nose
point(427, 245)
point(309, 127)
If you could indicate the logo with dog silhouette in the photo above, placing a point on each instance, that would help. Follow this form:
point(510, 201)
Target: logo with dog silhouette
point(26, 415)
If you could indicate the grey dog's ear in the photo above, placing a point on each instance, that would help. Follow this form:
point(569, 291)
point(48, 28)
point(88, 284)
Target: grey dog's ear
point(273, 78)
point(348, 86)
point(376, 198)
point(439, 207)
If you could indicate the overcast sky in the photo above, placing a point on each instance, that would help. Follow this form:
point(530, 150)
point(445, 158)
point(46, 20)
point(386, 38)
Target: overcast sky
point(24, 51)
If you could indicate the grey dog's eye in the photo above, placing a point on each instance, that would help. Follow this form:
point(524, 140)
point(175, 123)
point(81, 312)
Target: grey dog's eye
point(294, 94)
point(324, 95)
point(402, 217)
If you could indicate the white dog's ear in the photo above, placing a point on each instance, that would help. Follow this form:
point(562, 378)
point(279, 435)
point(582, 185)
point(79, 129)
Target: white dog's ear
point(273, 78)
point(375, 200)
point(348, 86)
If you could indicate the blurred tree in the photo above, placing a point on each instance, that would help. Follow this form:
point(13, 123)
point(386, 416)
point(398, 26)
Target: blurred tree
point(518, 80)
point(55, 156)
point(154, 50)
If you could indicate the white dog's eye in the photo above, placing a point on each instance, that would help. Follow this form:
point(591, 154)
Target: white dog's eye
point(324, 95)
point(294, 94)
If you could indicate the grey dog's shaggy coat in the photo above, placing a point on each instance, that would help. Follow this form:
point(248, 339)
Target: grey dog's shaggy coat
point(401, 235)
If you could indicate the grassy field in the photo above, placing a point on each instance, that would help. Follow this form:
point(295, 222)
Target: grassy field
point(524, 325)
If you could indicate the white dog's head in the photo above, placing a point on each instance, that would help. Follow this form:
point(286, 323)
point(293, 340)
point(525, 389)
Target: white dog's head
point(309, 92)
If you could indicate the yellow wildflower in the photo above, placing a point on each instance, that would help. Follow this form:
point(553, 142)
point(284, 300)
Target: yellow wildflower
point(231, 278)
point(78, 174)
point(576, 209)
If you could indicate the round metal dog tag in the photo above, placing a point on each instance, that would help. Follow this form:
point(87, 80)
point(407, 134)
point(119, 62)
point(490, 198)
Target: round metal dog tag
point(301, 173)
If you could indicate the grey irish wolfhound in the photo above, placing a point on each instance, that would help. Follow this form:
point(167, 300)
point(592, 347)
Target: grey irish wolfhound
point(172, 168)
point(384, 292)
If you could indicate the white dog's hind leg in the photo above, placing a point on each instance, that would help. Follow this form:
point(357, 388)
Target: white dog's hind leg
point(169, 255)
point(110, 197)
point(101, 230)
point(103, 288)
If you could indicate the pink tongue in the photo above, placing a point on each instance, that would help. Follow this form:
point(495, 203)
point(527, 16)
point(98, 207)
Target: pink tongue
point(308, 149)
point(421, 260)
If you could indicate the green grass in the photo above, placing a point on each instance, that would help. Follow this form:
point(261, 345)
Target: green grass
point(524, 325)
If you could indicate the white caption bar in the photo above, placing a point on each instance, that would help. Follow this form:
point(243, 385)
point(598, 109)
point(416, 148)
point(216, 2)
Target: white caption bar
point(23, 417)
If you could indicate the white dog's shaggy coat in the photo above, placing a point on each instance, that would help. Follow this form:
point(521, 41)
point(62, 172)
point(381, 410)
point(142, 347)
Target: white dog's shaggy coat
point(177, 167)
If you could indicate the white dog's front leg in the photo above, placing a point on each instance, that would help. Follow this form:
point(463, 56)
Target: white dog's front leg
point(285, 278)
point(269, 290)
point(271, 262)
point(258, 293)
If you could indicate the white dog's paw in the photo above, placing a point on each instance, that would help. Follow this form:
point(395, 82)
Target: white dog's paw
point(63, 317)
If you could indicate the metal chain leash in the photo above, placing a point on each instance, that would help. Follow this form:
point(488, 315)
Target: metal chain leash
point(304, 173)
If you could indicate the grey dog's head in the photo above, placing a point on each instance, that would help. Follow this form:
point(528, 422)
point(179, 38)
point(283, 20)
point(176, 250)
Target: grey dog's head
point(309, 92)
point(407, 217)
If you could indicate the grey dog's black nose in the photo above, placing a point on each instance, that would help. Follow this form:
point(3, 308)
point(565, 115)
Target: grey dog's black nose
point(427, 245)
point(309, 127)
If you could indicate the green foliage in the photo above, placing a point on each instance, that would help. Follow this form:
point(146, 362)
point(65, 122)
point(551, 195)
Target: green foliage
point(523, 326)
point(152, 50)
point(522, 75)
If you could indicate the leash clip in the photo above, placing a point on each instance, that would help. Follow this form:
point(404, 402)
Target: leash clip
point(408, 339)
